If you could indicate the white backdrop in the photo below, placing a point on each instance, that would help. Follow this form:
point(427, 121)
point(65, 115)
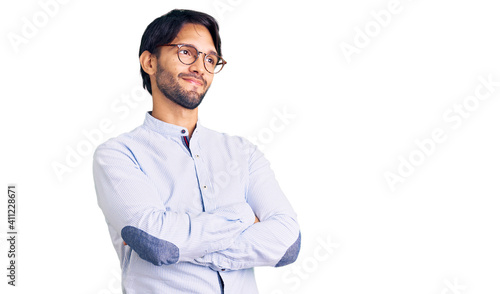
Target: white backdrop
point(379, 118)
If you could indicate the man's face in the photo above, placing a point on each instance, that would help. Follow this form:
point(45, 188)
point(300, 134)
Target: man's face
point(185, 85)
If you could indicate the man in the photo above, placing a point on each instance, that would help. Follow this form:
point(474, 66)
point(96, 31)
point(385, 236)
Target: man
point(189, 210)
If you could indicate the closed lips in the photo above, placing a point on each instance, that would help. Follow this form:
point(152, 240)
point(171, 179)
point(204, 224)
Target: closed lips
point(193, 81)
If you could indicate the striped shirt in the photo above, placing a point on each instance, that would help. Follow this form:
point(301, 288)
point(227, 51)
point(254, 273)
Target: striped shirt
point(185, 208)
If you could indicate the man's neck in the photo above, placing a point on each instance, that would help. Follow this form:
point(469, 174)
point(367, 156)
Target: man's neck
point(172, 113)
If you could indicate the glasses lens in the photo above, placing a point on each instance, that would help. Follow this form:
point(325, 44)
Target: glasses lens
point(213, 63)
point(187, 54)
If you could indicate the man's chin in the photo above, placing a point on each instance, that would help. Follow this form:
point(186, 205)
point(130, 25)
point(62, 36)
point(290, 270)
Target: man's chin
point(192, 102)
point(190, 105)
point(189, 99)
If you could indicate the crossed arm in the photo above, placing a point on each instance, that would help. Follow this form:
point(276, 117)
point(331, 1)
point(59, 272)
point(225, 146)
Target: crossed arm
point(262, 231)
point(256, 221)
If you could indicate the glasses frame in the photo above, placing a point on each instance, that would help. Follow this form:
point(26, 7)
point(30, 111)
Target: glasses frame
point(221, 61)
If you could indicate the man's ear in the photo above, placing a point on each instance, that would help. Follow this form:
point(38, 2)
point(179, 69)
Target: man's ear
point(148, 62)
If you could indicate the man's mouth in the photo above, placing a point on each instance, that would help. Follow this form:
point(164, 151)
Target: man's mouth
point(194, 81)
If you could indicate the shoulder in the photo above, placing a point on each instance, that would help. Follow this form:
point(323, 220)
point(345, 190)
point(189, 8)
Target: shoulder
point(123, 143)
point(227, 141)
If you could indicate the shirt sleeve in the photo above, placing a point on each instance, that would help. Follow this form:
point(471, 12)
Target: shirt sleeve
point(275, 240)
point(132, 206)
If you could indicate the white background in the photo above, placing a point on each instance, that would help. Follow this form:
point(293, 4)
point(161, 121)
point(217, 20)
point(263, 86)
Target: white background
point(352, 122)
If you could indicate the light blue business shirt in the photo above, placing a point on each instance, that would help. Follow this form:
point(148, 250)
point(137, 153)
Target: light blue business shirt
point(186, 209)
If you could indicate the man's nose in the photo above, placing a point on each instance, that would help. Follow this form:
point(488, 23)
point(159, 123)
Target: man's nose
point(198, 66)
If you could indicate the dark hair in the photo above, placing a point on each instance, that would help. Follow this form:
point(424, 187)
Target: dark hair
point(165, 28)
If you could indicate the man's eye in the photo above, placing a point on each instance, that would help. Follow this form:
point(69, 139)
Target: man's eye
point(210, 60)
point(184, 52)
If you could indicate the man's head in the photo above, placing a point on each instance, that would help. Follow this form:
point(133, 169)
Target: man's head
point(163, 68)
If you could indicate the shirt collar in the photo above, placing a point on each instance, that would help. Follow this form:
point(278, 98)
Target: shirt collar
point(168, 129)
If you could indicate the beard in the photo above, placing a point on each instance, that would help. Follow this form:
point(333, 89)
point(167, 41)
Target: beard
point(171, 88)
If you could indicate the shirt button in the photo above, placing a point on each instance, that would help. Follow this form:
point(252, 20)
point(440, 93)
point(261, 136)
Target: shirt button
point(197, 156)
point(183, 131)
point(204, 187)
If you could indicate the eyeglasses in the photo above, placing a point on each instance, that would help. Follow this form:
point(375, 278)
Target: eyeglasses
point(188, 55)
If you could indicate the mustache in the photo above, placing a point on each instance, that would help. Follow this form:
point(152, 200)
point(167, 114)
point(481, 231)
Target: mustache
point(193, 75)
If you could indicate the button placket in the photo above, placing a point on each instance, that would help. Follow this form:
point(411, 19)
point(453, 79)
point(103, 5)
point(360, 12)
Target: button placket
point(201, 172)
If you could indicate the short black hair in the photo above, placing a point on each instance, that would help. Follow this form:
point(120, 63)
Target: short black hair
point(165, 28)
